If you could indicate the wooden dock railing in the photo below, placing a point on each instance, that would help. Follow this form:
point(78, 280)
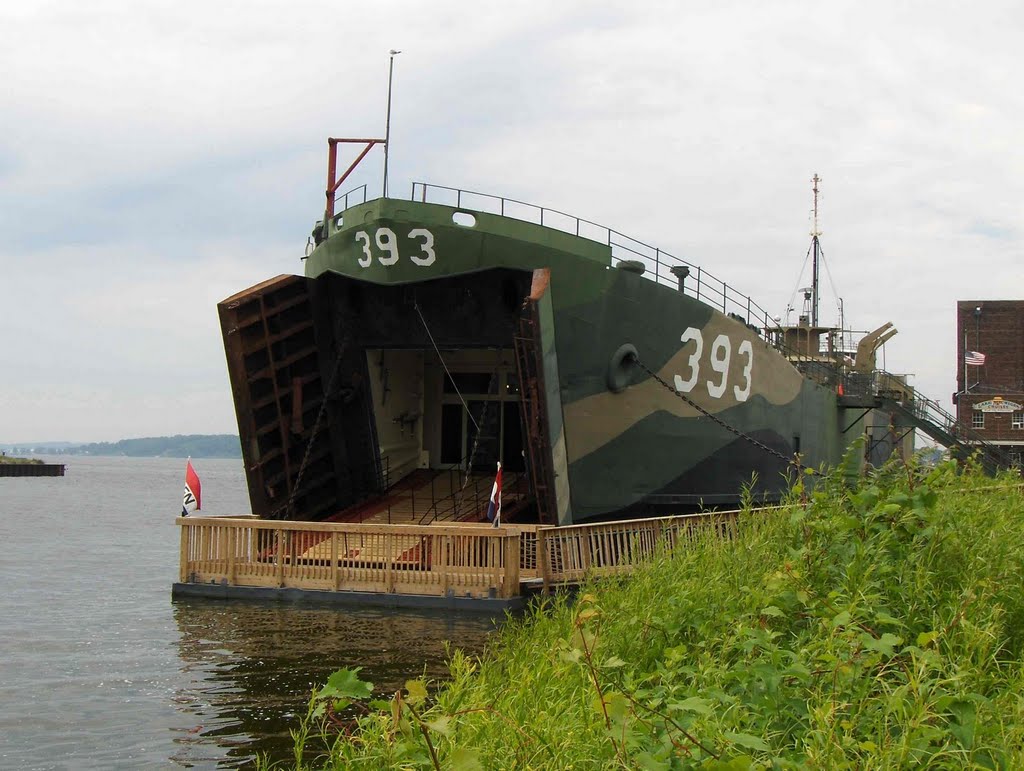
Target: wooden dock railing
point(566, 555)
point(468, 560)
point(404, 559)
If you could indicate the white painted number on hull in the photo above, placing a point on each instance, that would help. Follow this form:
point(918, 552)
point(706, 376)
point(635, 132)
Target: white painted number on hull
point(719, 359)
point(427, 247)
point(742, 394)
point(387, 243)
point(685, 386)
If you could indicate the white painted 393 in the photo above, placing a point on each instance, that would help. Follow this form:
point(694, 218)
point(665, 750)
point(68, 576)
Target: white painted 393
point(719, 359)
point(387, 246)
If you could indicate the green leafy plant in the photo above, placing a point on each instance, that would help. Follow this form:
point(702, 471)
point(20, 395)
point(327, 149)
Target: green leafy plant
point(873, 621)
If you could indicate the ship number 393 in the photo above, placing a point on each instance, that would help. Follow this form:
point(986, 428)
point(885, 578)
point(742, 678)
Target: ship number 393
point(719, 359)
point(387, 243)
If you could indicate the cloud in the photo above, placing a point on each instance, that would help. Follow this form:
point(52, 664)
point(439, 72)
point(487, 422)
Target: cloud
point(161, 156)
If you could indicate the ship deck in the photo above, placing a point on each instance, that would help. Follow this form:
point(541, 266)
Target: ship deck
point(428, 496)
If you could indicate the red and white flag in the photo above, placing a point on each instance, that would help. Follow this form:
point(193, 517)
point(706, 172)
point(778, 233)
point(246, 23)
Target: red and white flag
point(974, 359)
point(193, 491)
point(494, 506)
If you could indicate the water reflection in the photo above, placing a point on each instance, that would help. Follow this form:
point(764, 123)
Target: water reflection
point(249, 668)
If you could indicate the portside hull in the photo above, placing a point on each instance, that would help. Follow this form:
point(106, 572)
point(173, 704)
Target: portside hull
point(645, 448)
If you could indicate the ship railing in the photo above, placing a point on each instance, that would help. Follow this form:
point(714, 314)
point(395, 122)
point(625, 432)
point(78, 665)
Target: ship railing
point(354, 197)
point(658, 264)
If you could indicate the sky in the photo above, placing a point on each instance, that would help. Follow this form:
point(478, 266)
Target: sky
point(157, 157)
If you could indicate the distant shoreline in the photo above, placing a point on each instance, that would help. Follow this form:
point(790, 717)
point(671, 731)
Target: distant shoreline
point(224, 446)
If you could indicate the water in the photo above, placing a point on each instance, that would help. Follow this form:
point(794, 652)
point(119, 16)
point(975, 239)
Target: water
point(101, 670)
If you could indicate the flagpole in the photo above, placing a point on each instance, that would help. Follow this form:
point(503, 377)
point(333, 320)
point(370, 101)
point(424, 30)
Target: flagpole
point(387, 119)
point(965, 361)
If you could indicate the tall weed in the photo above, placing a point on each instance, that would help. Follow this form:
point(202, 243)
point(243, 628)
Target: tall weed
point(869, 623)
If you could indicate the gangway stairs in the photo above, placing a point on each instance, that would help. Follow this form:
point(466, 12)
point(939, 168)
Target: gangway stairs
point(888, 392)
point(945, 429)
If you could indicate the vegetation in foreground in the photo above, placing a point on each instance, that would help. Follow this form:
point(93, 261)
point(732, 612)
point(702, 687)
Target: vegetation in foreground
point(874, 627)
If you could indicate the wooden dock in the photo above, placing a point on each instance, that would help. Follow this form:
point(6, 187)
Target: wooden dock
point(449, 564)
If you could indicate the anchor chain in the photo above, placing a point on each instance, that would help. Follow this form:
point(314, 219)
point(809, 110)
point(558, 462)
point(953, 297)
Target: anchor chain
point(788, 460)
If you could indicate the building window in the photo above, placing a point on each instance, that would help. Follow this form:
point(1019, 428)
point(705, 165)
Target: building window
point(978, 419)
point(1017, 420)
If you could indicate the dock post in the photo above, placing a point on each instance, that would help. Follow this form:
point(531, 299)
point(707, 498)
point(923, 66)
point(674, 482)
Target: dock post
point(513, 550)
point(445, 561)
point(223, 544)
point(335, 573)
point(183, 558)
point(543, 560)
point(280, 557)
point(232, 548)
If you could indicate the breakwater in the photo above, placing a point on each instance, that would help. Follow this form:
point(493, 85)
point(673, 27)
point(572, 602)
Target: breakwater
point(31, 469)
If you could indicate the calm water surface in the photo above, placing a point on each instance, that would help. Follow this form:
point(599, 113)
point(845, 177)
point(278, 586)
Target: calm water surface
point(101, 670)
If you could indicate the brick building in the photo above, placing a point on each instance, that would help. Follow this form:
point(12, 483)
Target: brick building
point(990, 395)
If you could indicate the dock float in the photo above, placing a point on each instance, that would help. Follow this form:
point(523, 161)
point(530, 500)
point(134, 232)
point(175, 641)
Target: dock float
point(32, 469)
point(470, 566)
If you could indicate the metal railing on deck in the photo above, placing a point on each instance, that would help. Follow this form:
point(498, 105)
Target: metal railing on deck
point(658, 264)
point(405, 559)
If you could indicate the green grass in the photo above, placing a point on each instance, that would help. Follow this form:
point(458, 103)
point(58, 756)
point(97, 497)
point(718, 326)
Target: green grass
point(20, 461)
point(874, 627)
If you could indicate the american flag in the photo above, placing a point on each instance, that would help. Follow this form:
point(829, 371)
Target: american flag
point(974, 359)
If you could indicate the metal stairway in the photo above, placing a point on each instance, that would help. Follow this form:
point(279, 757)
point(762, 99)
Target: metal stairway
point(945, 429)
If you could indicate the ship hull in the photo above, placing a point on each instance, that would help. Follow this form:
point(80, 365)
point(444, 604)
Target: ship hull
point(551, 345)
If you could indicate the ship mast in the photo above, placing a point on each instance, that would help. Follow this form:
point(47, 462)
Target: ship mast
point(816, 249)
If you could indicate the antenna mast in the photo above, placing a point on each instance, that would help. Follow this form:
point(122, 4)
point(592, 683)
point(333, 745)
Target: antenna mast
point(815, 233)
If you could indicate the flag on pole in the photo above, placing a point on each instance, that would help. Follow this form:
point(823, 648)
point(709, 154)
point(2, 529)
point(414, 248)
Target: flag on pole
point(974, 359)
point(494, 507)
point(193, 490)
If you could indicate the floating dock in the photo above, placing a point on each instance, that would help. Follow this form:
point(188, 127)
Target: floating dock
point(32, 469)
point(454, 565)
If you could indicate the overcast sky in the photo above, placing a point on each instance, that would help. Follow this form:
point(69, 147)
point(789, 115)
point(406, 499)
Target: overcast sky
point(157, 157)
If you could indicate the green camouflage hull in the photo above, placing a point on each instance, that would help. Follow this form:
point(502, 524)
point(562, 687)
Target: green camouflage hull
point(396, 290)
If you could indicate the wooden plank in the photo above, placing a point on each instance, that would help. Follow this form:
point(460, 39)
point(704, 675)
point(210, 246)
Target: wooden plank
point(186, 532)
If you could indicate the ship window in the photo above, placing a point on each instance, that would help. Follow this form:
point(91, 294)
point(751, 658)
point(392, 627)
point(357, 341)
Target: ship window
point(978, 420)
point(470, 383)
point(464, 219)
point(511, 384)
point(338, 222)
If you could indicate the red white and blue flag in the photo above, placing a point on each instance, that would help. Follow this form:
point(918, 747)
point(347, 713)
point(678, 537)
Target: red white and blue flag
point(974, 359)
point(494, 507)
point(193, 491)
